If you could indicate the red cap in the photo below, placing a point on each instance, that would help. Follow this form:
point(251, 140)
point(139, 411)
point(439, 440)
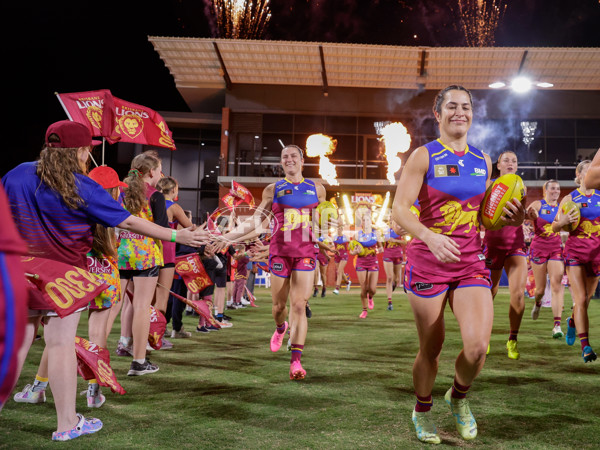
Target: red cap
point(70, 135)
point(106, 177)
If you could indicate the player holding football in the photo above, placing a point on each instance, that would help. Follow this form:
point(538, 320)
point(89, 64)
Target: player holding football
point(505, 249)
point(292, 249)
point(545, 253)
point(444, 260)
point(366, 265)
point(582, 256)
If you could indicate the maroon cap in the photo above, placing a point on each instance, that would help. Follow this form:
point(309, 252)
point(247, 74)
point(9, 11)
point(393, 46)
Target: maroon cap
point(106, 177)
point(70, 135)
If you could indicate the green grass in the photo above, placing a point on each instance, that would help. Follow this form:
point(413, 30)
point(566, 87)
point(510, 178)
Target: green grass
point(227, 390)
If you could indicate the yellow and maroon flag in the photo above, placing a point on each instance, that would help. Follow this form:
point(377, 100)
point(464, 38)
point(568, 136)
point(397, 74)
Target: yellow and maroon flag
point(141, 125)
point(93, 361)
point(94, 109)
point(242, 193)
point(58, 286)
point(192, 271)
point(158, 326)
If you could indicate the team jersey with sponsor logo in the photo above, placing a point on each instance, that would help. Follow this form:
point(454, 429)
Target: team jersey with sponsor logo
point(542, 227)
point(341, 245)
point(392, 249)
point(450, 197)
point(368, 241)
point(293, 205)
point(585, 239)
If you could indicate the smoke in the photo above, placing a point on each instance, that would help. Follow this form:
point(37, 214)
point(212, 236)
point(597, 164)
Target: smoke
point(209, 13)
point(497, 121)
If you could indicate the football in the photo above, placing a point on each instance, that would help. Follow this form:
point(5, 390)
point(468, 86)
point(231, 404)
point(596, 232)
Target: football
point(565, 209)
point(354, 244)
point(327, 211)
point(500, 192)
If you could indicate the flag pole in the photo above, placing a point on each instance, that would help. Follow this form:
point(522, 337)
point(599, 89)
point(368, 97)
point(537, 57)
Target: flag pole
point(103, 143)
point(63, 105)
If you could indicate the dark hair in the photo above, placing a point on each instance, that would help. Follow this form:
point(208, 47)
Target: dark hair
point(296, 147)
point(439, 98)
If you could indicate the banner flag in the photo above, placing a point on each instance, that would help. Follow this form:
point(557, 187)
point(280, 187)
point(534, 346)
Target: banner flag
point(191, 270)
point(60, 287)
point(202, 307)
point(93, 361)
point(141, 125)
point(242, 192)
point(94, 109)
point(158, 326)
point(251, 297)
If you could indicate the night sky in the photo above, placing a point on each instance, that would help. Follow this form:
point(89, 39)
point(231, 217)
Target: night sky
point(71, 46)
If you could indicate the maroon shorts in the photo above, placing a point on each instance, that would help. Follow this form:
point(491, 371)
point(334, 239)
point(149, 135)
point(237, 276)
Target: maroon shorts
point(495, 258)
point(282, 266)
point(543, 255)
point(339, 258)
point(367, 263)
point(323, 260)
point(423, 284)
point(395, 261)
point(590, 263)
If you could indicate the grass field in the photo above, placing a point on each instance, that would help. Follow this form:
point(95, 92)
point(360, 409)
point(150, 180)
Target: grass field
point(227, 390)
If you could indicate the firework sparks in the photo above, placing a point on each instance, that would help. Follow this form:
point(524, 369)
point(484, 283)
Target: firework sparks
point(396, 140)
point(241, 19)
point(322, 146)
point(479, 20)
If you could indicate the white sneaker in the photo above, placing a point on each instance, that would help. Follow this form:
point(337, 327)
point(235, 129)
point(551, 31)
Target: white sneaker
point(535, 312)
point(557, 332)
point(348, 287)
point(245, 302)
point(225, 324)
point(336, 292)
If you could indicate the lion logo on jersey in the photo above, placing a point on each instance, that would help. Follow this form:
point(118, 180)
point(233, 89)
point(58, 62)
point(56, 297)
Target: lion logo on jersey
point(548, 231)
point(293, 219)
point(589, 229)
point(454, 216)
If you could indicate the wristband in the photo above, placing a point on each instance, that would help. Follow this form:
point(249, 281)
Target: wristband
point(173, 235)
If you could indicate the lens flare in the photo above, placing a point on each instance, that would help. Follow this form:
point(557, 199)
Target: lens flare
point(322, 146)
point(396, 140)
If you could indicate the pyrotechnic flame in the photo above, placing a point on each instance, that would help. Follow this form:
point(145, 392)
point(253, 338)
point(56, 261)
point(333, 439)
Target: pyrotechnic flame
point(383, 210)
point(322, 146)
point(348, 210)
point(241, 19)
point(479, 20)
point(396, 140)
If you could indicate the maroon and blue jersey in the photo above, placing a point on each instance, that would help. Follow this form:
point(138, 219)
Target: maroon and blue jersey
point(543, 236)
point(341, 245)
point(293, 205)
point(49, 227)
point(450, 198)
point(392, 249)
point(368, 241)
point(585, 239)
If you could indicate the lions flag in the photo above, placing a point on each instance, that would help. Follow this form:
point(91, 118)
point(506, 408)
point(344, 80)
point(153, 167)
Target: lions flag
point(158, 326)
point(191, 270)
point(242, 194)
point(141, 125)
point(59, 287)
point(94, 109)
point(93, 361)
